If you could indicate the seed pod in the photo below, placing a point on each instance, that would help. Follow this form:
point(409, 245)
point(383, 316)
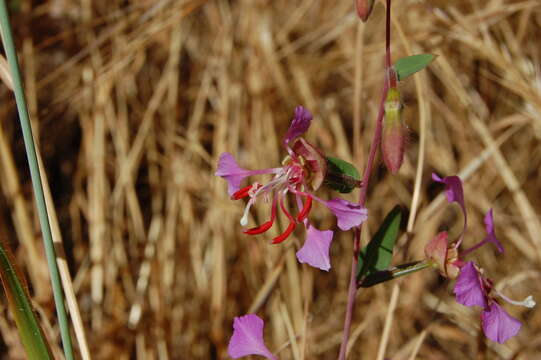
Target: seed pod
point(394, 132)
point(364, 8)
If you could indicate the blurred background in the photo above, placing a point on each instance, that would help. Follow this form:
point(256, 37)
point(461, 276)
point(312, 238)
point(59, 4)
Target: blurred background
point(133, 101)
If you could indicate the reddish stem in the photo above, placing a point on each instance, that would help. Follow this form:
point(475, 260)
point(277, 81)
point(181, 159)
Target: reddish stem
point(376, 139)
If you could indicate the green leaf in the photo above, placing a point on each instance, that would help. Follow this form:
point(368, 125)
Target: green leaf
point(409, 65)
point(391, 274)
point(32, 337)
point(341, 175)
point(377, 255)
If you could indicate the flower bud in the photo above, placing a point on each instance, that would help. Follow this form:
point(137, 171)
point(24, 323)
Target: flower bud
point(443, 256)
point(364, 8)
point(394, 132)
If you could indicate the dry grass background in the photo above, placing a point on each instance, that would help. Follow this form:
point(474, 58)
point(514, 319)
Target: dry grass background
point(133, 101)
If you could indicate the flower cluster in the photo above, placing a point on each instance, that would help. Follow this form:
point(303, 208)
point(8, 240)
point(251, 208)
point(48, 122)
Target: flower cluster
point(303, 172)
point(472, 287)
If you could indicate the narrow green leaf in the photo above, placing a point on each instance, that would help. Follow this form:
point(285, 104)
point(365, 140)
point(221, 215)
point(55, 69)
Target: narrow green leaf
point(341, 175)
point(409, 65)
point(32, 338)
point(391, 274)
point(377, 255)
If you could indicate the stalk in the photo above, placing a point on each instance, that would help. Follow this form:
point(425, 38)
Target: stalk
point(9, 46)
point(376, 139)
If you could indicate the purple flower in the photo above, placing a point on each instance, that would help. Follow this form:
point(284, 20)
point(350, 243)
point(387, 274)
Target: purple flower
point(247, 338)
point(303, 172)
point(469, 289)
point(455, 193)
point(497, 324)
point(315, 251)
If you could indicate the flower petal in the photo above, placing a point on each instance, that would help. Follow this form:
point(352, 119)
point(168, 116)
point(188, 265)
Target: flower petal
point(455, 193)
point(299, 124)
point(468, 288)
point(347, 214)
point(436, 250)
point(498, 325)
point(315, 251)
point(247, 338)
point(491, 237)
point(234, 174)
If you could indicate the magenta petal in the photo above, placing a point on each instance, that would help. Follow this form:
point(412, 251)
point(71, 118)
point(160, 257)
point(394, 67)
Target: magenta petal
point(299, 124)
point(315, 251)
point(347, 214)
point(234, 174)
point(498, 325)
point(455, 193)
point(468, 288)
point(247, 338)
point(231, 171)
point(491, 237)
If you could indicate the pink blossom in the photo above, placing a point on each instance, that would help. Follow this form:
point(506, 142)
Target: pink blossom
point(302, 173)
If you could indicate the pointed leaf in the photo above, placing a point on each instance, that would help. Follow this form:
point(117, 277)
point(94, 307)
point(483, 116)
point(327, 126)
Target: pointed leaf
point(391, 274)
point(377, 255)
point(341, 175)
point(30, 332)
point(409, 65)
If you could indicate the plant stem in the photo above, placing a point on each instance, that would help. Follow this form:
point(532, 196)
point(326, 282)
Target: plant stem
point(376, 139)
point(22, 108)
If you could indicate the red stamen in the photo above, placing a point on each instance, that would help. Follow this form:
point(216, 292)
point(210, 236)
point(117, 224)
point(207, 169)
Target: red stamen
point(305, 209)
point(290, 227)
point(259, 229)
point(241, 193)
point(285, 234)
point(265, 226)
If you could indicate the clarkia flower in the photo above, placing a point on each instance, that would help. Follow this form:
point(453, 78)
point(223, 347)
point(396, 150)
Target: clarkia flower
point(247, 338)
point(472, 288)
point(302, 173)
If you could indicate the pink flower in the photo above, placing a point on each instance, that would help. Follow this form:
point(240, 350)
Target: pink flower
point(247, 338)
point(472, 288)
point(303, 172)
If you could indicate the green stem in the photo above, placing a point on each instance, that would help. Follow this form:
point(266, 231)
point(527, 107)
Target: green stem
point(22, 108)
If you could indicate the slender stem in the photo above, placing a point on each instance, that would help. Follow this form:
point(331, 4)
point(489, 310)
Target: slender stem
point(376, 139)
point(22, 108)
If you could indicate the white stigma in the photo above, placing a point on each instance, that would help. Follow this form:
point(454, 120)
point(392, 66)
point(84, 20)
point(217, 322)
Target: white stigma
point(529, 302)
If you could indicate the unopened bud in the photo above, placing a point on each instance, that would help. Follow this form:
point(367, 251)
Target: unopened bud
point(364, 8)
point(394, 132)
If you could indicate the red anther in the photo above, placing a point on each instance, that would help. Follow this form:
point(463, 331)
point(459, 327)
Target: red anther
point(305, 209)
point(259, 229)
point(285, 234)
point(241, 193)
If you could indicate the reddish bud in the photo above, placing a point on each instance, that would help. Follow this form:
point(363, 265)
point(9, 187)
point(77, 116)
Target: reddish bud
point(393, 142)
point(443, 255)
point(364, 8)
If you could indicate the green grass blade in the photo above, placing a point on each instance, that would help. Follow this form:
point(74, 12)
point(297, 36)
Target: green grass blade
point(22, 108)
point(32, 338)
